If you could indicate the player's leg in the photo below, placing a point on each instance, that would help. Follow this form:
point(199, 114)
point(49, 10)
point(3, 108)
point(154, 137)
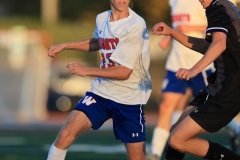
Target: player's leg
point(181, 105)
point(184, 134)
point(166, 108)
point(161, 131)
point(195, 84)
point(87, 114)
point(68, 133)
point(136, 151)
point(183, 138)
point(197, 101)
point(172, 92)
point(129, 127)
point(205, 118)
point(233, 127)
point(185, 113)
point(170, 151)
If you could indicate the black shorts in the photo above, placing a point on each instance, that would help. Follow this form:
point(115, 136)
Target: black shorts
point(213, 113)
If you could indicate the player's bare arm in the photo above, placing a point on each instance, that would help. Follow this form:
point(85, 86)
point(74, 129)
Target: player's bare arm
point(163, 29)
point(197, 44)
point(215, 49)
point(117, 72)
point(87, 45)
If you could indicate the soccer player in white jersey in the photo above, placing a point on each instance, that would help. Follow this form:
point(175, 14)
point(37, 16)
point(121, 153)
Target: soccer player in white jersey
point(122, 85)
point(189, 18)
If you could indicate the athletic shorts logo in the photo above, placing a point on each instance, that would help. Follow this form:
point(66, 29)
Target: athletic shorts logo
point(88, 100)
point(222, 156)
point(135, 135)
point(195, 110)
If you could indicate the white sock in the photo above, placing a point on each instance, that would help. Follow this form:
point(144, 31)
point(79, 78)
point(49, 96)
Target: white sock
point(56, 154)
point(175, 116)
point(160, 137)
point(233, 127)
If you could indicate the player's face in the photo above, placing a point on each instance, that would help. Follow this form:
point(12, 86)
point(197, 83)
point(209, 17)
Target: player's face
point(205, 3)
point(120, 5)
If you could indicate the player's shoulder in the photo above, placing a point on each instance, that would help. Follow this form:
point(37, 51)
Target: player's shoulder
point(135, 22)
point(215, 9)
point(136, 18)
point(132, 25)
point(103, 14)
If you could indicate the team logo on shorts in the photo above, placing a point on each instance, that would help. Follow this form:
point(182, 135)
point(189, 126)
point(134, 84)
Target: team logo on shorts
point(88, 100)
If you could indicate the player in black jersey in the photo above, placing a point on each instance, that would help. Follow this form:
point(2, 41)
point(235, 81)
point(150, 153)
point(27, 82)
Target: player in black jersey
point(219, 102)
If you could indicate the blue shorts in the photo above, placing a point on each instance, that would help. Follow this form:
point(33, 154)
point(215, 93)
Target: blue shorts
point(128, 120)
point(196, 84)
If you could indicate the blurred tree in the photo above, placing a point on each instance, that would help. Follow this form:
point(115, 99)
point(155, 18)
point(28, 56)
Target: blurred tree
point(152, 11)
point(82, 10)
point(21, 8)
point(49, 11)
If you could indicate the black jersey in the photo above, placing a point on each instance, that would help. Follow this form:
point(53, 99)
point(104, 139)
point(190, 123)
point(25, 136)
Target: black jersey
point(224, 17)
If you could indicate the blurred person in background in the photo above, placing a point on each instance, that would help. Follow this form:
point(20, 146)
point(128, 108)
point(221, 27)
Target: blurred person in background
point(122, 85)
point(188, 17)
point(217, 104)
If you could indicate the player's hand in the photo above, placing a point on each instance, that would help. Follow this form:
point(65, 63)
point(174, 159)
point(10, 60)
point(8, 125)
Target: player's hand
point(183, 73)
point(54, 50)
point(164, 43)
point(76, 68)
point(184, 28)
point(161, 29)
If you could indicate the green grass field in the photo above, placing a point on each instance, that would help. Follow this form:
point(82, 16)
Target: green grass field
point(93, 145)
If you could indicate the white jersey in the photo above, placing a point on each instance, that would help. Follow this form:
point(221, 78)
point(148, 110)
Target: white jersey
point(124, 42)
point(185, 12)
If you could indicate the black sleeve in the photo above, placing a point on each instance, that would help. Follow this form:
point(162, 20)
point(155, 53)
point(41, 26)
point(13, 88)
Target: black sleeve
point(218, 19)
point(198, 44)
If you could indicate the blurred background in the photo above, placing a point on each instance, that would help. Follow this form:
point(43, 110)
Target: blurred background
point(37, 92)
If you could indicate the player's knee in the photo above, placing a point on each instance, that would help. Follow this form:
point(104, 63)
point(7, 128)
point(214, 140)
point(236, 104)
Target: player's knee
point(66, 135)
point(64, 139)
point(175, 143)
point(165, 109)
